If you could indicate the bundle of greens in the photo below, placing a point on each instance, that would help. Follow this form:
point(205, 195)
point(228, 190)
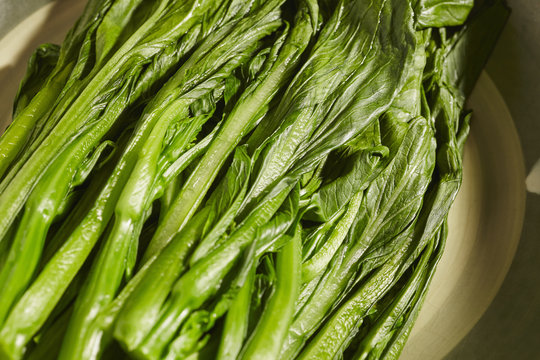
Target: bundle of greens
point(235, 179)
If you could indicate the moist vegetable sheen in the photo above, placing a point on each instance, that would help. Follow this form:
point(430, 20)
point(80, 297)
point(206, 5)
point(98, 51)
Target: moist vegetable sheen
point(235, 179)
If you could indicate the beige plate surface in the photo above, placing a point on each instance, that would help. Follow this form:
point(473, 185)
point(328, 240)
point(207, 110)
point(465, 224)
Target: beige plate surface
point(485, 222)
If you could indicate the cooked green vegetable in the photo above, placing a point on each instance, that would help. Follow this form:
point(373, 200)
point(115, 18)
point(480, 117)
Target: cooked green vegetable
point(235, 178)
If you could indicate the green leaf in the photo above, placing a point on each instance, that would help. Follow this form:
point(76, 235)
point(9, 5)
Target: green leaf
point(440, 13)
point(41, 63)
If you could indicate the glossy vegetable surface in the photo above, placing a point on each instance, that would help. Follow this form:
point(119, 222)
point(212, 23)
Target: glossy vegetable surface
point(235, 179)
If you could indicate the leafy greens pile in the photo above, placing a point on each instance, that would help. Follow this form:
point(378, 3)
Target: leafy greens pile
point(235, 179)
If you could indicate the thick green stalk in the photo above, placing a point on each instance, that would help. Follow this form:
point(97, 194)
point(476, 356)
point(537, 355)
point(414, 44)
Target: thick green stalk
point(235, 329)
point(204, 278)
point(271, 330)
point(142, 307)
point(96, 293)
point(197, 332)
point(235, 127)
point(108, 271)
point(41, 209)
point(103, 325)
point(49, 342)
